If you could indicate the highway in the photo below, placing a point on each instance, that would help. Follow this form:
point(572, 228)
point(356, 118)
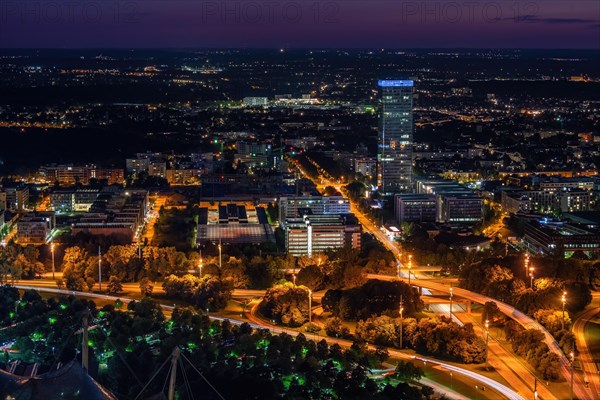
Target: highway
point(490, 383)
point(518, 316)
point(524, 320)
point(586, 358)
point(513, 370)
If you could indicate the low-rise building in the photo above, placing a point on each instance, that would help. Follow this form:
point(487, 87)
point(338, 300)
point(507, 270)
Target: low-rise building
point(16, 196)
point(542, 201)
point(183, 176)
point(233, 224)
point(366, 166)
point(459, 208)
point(415, 208)
point(69, 174)
point(296, 207)
point(515, 202)
point(73, 200)
point(313, 234)
point(115, 211)
point(35, 227)
point(561, 238)
point(2, 200)
point(255, 101)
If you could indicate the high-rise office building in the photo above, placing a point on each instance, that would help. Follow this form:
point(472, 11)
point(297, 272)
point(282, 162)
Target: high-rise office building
point(394, 155)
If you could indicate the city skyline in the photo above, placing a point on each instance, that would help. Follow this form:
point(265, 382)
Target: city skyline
point(298, 223)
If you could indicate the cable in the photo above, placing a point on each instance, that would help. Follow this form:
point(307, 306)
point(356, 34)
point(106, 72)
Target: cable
point(186, 380)
point(151, 379)
point(203, 377)
point(62, 349)
point(120, 355)
point(166, 378)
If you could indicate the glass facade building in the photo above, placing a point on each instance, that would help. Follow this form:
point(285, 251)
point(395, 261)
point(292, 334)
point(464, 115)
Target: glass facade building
point(394, 152)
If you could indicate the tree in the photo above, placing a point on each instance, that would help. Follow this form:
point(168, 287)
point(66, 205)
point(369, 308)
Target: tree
point(490, 312)
point(311, 277)
point(114, 285)
point(8, 255)
point(552, 320)
point(146, 287)
point(74, 264)
point(26, 265)
point(75, 283)
point(353, 276)
point(286, 303)
point(408, 372)
point(334, 327)
point(382, 330)
point(442, 337)
point(382, 353)
point(90, 282)
point(235, 269)
point(372, 298)
point(213, 293)
point(123, 262)
point(60, 283)
point(181, 287)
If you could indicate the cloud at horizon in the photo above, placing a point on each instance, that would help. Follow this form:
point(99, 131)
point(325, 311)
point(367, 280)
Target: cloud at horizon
point(299, 23)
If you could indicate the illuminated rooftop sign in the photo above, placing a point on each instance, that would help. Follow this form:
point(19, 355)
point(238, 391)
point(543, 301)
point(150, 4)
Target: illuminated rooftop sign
point(395, 83)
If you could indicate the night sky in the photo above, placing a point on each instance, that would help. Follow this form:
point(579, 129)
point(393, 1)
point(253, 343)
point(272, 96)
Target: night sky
point(300, 23)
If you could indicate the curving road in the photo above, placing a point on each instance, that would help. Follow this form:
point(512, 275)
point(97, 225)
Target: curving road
point(515, 371)
point(588, 364)
point(518, 316)
point(505, 391)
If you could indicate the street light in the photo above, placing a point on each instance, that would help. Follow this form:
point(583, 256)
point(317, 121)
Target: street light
point(572, 370)
point(52, 251)
point(409, 267)
point(99, 269)
point(220, 257)
point(451, 303)
point(564, 300)
point(526, 263)
point(200, 267)
point(487, 336)
point(401, 319)
point(309, 306)
point(531, 276)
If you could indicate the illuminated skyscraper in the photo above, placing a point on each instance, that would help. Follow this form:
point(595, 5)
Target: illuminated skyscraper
point(394, 153)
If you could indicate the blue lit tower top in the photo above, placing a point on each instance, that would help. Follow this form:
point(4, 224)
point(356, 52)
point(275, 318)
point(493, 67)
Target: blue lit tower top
point(396, 83)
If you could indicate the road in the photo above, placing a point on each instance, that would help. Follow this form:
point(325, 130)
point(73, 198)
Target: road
point(507, 392)
point(509, 311)
point(505, 363)
point(152, 218)
point(135, 287)
point(586, 358)
point(518, 316)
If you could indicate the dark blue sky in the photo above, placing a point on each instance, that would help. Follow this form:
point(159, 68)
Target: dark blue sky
point(300, 23)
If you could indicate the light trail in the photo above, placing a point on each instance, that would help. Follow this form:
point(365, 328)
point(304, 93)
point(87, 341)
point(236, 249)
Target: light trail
point(504, 390)
point(509, 393)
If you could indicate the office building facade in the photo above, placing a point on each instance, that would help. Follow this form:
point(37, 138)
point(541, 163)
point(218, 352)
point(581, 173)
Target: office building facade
point(296, 207)
point(415, 207)
point(314, 234)
point(35, 228)
point(394, 153)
